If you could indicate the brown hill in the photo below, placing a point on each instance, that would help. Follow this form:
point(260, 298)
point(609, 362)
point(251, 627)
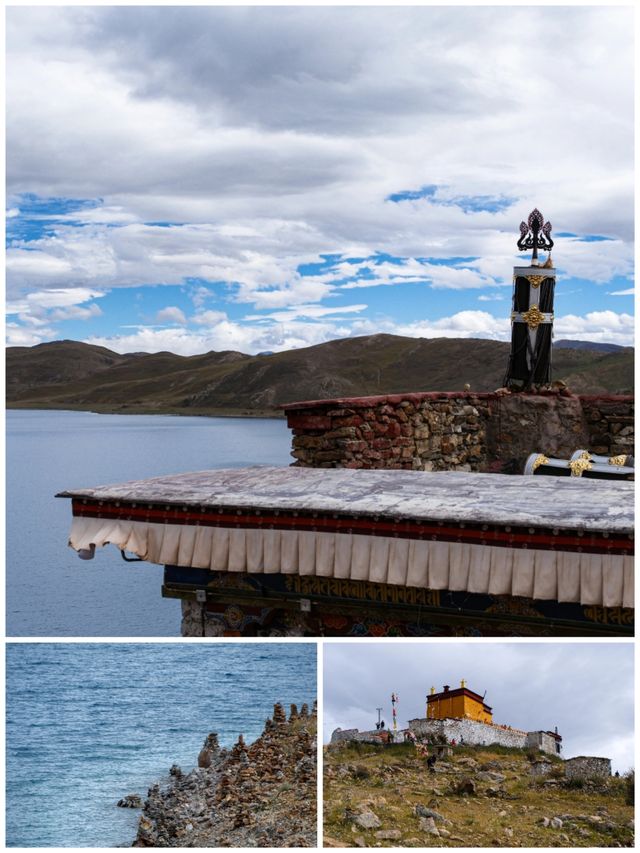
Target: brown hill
point(72, 375)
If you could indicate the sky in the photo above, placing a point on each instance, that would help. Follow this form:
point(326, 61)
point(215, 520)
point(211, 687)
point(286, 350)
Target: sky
point(585, 689)
point(266, 178)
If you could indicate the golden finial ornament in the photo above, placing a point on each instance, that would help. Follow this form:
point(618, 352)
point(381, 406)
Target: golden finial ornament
point(618, 460)
point(579, 466)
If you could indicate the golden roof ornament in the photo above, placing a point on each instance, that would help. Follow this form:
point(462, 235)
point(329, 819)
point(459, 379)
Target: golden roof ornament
point(618, 460)
point(579, 466)
point(541, 460)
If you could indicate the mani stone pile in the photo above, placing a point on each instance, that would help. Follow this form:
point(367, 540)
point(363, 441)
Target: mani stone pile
point(257, 795)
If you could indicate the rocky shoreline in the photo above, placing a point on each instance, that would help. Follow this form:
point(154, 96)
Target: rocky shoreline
point(257, 795)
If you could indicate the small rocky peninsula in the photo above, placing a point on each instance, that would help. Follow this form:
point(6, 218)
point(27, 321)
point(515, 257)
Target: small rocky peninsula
point(253, 795)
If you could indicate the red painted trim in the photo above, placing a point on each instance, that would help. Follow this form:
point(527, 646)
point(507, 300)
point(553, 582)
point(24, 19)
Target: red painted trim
point(469, 533)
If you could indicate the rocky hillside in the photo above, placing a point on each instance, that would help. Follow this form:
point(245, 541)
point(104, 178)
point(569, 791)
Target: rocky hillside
point(480, 797)
point(257, 795)
point(72, 375)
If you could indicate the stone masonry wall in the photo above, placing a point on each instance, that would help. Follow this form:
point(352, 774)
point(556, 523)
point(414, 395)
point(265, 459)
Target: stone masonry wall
point(541, 768)
point(415, 431)
point(543, 741)
point(339, 735)
point(610, 422)
point(587, 766)
point(467, 431)
point(350, 735)
point(471, 731)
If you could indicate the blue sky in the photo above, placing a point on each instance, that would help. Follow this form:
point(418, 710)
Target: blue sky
point(265, 178)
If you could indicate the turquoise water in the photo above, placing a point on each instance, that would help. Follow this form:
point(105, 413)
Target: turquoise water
point(89, 723)
point(50, 592)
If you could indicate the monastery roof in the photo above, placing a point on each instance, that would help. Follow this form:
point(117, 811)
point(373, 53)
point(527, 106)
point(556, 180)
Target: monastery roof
point(458, 691)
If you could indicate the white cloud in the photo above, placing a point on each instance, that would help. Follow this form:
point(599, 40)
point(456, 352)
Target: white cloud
point(34, 264)
point(208, 318)
point(629, 292)
point(37, 310)
point(76, 312)
point(258, 139)
point(171, 314)
point(292, 329)
point(27, 336)
point(62, 297)
point(463, 324)
point(222, 335)
point(598, 326)
point(308, 311)
point(412, 270)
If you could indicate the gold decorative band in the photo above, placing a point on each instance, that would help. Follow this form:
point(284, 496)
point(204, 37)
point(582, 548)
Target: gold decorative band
point(533, 317)
point(610, 615)
point(362, 590)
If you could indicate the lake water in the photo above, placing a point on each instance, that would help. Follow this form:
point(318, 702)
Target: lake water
point(88, 723)
point(50, 591)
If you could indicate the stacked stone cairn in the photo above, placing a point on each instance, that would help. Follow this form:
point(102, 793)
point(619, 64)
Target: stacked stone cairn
point(261, 794)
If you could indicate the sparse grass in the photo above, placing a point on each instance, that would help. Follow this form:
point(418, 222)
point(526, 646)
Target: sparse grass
point(400, 782)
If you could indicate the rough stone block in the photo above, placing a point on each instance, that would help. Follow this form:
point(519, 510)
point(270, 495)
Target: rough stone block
point(313, 422)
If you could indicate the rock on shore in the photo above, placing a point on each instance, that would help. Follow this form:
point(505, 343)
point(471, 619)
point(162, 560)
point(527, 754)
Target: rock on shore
point(257, 795)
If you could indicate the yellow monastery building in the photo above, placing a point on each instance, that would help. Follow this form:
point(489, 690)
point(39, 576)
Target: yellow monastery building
point(460, 703)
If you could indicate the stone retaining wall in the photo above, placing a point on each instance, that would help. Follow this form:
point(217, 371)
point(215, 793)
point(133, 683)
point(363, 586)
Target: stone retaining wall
point(472, 732)
point(610, 421)
point(440, 431)
point(586, 767)
point(350, 735)
point(541, 768)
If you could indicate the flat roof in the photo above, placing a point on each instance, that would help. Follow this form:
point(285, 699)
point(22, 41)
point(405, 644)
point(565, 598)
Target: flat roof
point(458, 691)
point(497, 499)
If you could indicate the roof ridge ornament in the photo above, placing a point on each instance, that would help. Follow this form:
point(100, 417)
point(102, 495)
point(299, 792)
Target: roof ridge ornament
point(535, 234)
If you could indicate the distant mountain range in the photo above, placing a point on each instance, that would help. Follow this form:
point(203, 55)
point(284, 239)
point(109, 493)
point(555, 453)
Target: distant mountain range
point(73, 375)
point(564, 344)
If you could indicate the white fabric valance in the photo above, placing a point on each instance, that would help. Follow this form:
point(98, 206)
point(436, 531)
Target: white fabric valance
point(604, 580)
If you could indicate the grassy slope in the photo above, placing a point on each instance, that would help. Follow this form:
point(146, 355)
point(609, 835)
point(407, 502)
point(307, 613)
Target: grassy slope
point(395, 781)
point(68, 374)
